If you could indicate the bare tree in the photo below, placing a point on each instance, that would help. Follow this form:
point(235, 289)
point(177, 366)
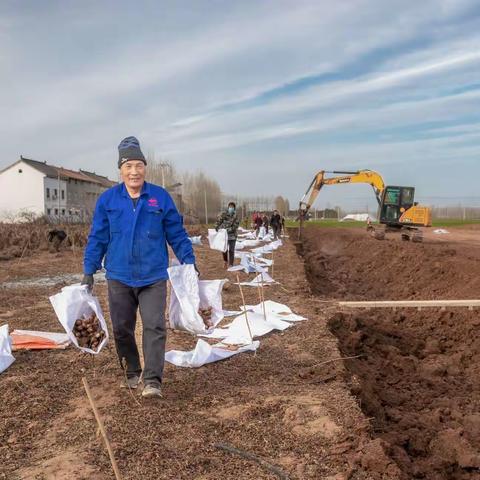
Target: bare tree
point(280, 204)
point(202, 196)
point(160, 171)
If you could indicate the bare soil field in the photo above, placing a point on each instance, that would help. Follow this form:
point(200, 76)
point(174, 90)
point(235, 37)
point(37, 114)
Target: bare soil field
point(406, 407)
point(417, 374)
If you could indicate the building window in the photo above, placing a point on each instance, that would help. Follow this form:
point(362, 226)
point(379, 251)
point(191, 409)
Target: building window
point(56, 211)
point(49, 210)
point(48, 193)
point(55, 193)
point(63, 211)
point(20, 170)
point(63, 194)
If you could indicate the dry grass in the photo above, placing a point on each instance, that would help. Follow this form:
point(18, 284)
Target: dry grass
point(22, 239)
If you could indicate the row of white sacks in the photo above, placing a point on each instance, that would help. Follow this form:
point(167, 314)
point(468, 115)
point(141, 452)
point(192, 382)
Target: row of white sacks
point(237, 336)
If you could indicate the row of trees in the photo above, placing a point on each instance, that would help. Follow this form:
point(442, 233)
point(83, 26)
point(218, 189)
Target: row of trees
point(197, 196)
point(200, 198)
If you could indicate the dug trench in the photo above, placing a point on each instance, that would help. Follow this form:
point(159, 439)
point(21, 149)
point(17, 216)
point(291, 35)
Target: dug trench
point(415, 374)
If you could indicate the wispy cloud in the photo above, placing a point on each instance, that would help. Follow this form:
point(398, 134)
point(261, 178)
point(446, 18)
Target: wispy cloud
point(267, 85)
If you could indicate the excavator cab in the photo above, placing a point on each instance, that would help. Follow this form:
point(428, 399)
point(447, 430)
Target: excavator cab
point(398, 209)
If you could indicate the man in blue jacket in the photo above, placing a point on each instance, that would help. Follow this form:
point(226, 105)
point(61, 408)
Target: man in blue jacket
point(132, 224)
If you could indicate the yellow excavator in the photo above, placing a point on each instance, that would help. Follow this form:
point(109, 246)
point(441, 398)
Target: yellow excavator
point(396, 206)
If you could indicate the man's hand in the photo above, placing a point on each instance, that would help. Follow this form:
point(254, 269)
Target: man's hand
point(88, 280)
point(196, 269)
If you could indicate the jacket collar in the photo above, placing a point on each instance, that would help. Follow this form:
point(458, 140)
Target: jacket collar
point(145, 190)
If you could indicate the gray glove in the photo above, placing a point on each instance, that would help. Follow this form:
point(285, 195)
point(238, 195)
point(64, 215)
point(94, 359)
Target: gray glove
point(88, 280)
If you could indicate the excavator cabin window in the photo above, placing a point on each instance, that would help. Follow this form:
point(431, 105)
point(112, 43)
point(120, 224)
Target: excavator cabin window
point(395, 201)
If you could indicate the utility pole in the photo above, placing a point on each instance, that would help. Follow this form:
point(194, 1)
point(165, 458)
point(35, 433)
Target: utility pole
point(206, 210)
point(58, 195)
point(162, 165)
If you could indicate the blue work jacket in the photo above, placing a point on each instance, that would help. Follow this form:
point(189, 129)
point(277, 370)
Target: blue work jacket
point(134, 240)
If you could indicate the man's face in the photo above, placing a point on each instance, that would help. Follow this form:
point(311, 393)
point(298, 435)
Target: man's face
point(133, 173)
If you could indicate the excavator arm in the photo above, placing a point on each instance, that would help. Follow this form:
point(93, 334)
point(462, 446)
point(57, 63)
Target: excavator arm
point(361, 176)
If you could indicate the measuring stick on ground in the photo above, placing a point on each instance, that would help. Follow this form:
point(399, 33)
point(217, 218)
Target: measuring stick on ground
point(245, 309)
point(263, 296)
point(102, 430)
point(260, 290)
point(272, 263)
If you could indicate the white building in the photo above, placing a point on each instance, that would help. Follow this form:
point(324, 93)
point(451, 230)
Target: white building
point(41, 189)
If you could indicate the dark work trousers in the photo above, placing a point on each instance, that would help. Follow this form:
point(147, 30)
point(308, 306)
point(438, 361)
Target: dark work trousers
point(124, 302)
point(229, 255)
point(276, 231)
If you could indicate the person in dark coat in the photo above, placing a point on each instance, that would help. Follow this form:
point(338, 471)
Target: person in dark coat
point(229, 221)
point(258, 224)
point(265, 223)
point(56, 237)
point(276, 223)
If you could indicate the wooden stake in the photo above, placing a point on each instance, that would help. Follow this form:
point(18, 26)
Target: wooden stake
point(260, 290)
point(260, 296)
point(244, 309)
point(102, 430)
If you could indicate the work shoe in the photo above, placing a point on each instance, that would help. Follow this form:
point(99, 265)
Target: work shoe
point(152, 390)
point(131, 382)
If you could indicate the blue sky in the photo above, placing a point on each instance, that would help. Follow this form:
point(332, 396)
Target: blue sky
point(260, 95)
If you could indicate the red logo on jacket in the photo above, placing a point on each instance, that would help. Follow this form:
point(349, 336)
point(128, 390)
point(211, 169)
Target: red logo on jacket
point(152, 202)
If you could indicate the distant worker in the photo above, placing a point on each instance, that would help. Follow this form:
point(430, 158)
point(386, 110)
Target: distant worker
point(283, 226)
point(254, 219)
point(56, 237)
point(133, 223)
point(258, 224)
point(276, 224)
point(265, 223)
point(229, 221)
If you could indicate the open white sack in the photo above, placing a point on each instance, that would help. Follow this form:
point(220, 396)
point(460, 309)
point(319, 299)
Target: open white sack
point(205, 353)
point(261, 279)
point(238, 333)
point(249, 235)
point(279, 317)
point(75, 302)
point(196, 240)
point(189, 295)
point(218, 240)
point(275, 310)
point(6, 357)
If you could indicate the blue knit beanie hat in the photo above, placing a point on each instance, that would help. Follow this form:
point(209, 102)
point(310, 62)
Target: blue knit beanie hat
point(129, 149)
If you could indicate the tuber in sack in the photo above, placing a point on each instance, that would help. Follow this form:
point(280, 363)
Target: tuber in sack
point(74, 303)
point(218, 240)
point(6, 357)
point(189, 295)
